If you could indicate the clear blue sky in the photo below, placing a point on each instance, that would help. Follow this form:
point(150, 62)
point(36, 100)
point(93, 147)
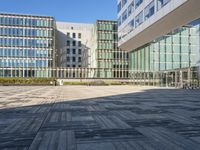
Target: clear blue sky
point(85, 11)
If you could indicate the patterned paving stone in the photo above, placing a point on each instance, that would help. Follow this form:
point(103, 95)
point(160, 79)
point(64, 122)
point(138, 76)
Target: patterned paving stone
point(99, 118)
point(167, 138)
point(54, 140)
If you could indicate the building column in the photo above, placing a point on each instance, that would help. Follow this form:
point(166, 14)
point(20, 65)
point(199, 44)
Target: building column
point(181, 78)
point(189, 76)
point(176, 81)
point(167, 79)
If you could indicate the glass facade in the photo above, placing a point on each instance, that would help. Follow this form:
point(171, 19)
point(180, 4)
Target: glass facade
point(161, 3)
point(111, 61)
point(138, 3)
point(124, 16)
point(131, 8)
point(26, 45)
point(149, 10)
point(139, 19)
point(170, 60)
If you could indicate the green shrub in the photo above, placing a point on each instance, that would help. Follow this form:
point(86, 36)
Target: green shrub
point(96, 82)
point(114, 83)
point(75, 83)
point(26, 81)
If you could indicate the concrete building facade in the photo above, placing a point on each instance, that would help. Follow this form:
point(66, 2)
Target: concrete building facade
point(100, 57)
point(73, 39)
point(73, 43)
point(141, 21)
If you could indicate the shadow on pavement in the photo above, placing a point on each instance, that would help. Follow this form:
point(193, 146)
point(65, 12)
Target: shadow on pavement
point(153, 119)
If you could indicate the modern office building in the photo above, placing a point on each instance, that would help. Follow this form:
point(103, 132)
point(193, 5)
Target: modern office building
point(110, 61)
point(163, 38)
point(27, 44)
point(141, 21)
point(90, 51)
point(72, 40)
point(37, 46)
point(169, 60)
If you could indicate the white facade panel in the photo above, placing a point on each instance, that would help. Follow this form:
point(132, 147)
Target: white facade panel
point(173, 14)
point(69, 34)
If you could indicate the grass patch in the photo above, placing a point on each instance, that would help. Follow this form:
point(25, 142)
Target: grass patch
point(96, 83)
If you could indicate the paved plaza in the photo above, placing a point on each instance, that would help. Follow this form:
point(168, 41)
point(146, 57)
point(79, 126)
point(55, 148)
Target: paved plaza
point(99, 118)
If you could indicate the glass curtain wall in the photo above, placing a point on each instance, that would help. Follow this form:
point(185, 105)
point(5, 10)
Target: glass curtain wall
point(111, 61)
point(171, 60)
point(26, 45)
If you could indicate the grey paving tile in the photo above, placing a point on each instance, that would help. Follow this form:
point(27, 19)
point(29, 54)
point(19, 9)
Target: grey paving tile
point(168, 138)
point(104, 118)
point(54, 140)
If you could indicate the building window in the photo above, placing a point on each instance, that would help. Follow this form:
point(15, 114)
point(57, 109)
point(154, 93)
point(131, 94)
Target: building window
point(79, 43)
point(149, 10)
point(74, 59)
point(74, 35)
point(74, 66)
point(124, 2)
point(79, 59)
point(115, 38)
point(124, 16)
point(119, 6)
point(119, 21)
point(127, 57)
point(68, 34)
point(130, 8)
point(138, 3)
point(68, 59)
point(139, 19)
point(68, 43)
point(131, 24)
point(74, 51)
point(74, 43)
point(68, 51)
point(79, 35)
point(79, 51)
point(1, 20)
point(162, 3)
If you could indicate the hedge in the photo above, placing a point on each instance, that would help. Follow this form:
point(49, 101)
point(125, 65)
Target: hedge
point(26, 81)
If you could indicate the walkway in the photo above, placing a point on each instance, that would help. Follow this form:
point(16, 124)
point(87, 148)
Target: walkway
point(99, 118)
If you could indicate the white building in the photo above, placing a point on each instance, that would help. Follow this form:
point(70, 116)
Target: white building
point(73, 40)
point(142, 21)
point(163, 40)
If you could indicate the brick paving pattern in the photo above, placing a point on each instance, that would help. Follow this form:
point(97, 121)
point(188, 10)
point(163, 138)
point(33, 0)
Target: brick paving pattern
point(99, 118)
